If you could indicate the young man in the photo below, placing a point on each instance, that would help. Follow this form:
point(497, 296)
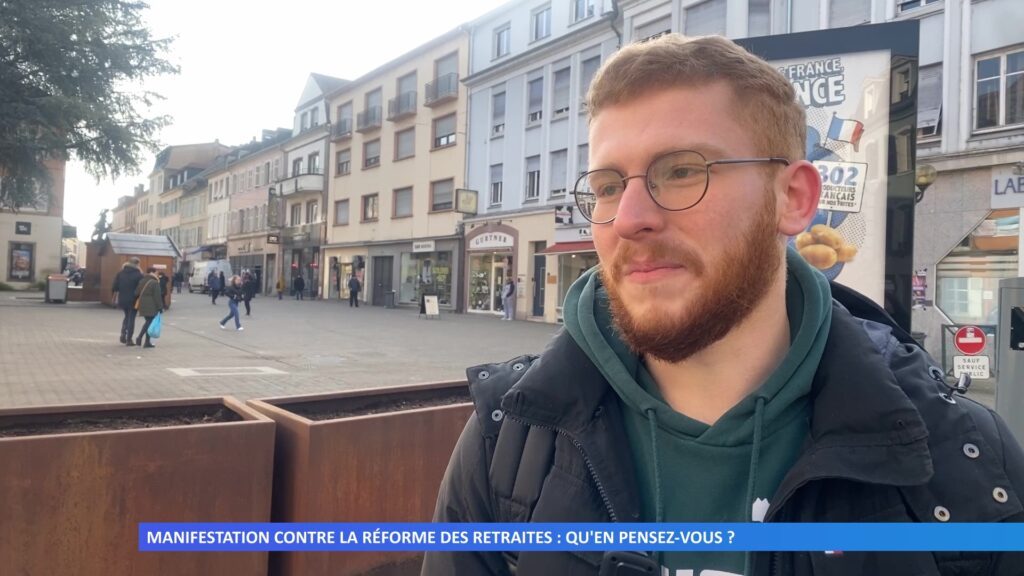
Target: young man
point(707, 373)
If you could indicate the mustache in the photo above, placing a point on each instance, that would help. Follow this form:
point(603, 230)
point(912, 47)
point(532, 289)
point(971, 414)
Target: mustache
point(631, 252)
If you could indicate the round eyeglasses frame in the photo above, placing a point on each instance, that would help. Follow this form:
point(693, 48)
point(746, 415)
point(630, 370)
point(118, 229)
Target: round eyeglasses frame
point(578, 195)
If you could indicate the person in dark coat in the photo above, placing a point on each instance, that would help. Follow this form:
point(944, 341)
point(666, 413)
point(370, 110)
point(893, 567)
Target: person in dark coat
point(165, 285)
point(125, 282)
point(151, 303)
point(249, 288)
point(708, 371)
point(298, 285)
point(223, 282)
point(354, 287)
point(235, 295)
point(213, 286)
point(179, 279)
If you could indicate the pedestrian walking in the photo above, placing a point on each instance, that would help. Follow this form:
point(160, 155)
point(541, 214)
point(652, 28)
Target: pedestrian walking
point(213, 286)
point(354, 287)
point(150, 303)
point(280, 288)
point(298, 285)
point(179, 279)
point(508, 299)
point(234, 295)
point(165, 293)
point(125, 283)
point(223, 283)
point(249, 288)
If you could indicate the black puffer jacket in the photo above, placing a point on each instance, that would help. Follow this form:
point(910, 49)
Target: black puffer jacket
point(125, 283)
point(886, 445)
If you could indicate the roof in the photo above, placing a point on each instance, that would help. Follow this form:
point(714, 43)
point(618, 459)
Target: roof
point(141, 245)
point(328, 83)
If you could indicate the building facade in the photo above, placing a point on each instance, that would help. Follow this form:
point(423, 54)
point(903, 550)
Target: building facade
point(398, 151)
point(31, 238)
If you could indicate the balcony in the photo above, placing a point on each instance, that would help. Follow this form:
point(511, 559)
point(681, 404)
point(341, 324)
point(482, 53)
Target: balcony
point(368, 119)
point(442, 89)
point(342, 130)
point(301, 183)
point(402, 106)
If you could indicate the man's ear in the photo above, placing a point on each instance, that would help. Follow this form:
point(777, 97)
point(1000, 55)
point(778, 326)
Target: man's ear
point(799, 188)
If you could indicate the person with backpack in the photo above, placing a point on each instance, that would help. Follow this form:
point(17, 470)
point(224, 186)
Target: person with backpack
point(234, 293)
point(354, 287)
point(150, 302)
point(707, 372)
point(123, 292)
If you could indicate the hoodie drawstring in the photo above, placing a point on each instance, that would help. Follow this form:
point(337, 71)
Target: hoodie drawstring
point(755, 454)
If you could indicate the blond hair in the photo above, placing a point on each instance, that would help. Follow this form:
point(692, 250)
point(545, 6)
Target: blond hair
point(765, 100)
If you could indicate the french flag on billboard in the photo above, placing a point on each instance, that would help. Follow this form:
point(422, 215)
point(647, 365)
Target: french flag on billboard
point(845, 130)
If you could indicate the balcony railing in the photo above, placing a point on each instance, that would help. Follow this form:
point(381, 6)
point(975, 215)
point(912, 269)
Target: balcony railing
point(368, 119)
point(442, 89)
point(301, 183)
point(342, 129)
point(402, 105)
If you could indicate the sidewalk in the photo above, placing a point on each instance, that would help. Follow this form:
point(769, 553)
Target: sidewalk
point(69, 353)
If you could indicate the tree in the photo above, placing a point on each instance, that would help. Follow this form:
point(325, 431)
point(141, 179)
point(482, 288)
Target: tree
point(69, 77)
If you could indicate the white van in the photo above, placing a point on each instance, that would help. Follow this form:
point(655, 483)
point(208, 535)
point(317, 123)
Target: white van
point(202, 269)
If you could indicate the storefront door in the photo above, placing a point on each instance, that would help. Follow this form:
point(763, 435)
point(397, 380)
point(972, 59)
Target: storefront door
point(539, 275)
point(382, 278)
point(487, 273)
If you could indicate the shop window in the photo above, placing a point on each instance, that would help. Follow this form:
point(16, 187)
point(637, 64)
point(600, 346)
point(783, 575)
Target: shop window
point(968, 277)
point(571, 267)
point(426, 273)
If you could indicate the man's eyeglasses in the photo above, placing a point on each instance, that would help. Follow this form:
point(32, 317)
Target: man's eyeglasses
point(676, 181)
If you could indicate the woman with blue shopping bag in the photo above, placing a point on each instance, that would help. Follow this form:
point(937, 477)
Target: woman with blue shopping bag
point(149, 303)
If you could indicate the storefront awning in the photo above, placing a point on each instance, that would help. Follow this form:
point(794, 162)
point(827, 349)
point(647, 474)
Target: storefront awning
point(569, 247)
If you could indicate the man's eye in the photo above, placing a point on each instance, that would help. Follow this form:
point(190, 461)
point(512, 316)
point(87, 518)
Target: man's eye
point(682, 172)
point(608, 190)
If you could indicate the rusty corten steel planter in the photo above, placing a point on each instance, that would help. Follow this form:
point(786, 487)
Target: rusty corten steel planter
point(71, 502)
point(385, 466)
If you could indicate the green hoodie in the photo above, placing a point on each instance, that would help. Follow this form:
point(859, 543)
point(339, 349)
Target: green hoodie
point(688, 471)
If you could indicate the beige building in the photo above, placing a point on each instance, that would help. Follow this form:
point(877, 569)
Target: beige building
point(398, 161)
point(159, 210)
point(31, 239)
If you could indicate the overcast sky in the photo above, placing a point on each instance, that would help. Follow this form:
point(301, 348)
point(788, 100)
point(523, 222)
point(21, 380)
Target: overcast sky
point(244, 64)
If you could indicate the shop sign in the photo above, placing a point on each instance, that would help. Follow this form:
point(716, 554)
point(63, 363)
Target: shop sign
point(23, 228)
point(1008, 188)
point(573, 234)
point(423, 246)
point(563, 214)
point(491, 240)
point(273, 238)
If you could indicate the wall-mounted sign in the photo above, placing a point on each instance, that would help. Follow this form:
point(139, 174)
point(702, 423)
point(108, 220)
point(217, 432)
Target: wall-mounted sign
point(492, 240)
point(423, 246)
point(23, 228)
point(465, 201)
point(273, 238)
point(563, 214)
point(1007, 188)
point(22, 262)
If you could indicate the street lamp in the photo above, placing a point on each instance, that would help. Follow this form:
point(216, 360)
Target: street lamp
point(925, 177)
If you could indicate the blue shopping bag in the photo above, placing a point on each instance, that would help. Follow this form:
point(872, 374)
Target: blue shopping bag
point(154, 326)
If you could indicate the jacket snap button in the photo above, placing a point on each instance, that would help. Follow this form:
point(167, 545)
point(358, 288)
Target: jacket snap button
point(484, 375)
point(936, 373)
point(517, 366)
point(497, 415)
point(1000, 495)
point(941, 514)
point(971, 450)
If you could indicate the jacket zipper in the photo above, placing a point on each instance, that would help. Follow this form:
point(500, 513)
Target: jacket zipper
point(586, 460)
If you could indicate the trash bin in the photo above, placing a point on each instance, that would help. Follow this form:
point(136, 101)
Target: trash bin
point(56, 288)
point(389, 299)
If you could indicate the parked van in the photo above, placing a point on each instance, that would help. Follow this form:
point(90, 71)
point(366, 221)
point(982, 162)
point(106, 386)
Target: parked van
point(200, 270)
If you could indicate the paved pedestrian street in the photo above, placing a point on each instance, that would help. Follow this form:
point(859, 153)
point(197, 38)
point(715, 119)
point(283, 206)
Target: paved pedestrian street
point(70, 354)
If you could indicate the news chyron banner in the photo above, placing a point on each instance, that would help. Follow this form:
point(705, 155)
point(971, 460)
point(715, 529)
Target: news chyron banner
point(858, 88)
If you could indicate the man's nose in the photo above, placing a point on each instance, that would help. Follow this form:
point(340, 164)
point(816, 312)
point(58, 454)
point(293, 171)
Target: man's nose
point(637, 212)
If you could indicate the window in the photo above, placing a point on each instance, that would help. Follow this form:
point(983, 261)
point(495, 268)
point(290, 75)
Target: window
point(266, 172)
point(533, 177)
point(848, 12)
point(705, 18)
point(277, 168)
point(582, 159)
point(759, 18)
point(312, 212)
point(341, 213)
point(371, 207)
point(502, 40)
point(559, 161)
point(999, 90)
point(969, 275)
point(296, 167)
point(371, 154)
point(442, 195)
point(582, 9)
point(541, 19)
point(905, 5)
point(444, 131)
point(654, 29)
point(405, 144)
point(313, 164)
point(344, 162)
point(296, 215)
point(496, 184)
point(344, 119)
point(314, 117)
point(535, 90)
point(498, 113)
point(402, 206)
point(304, 122)
point(560, 94)
point(929, 101)
point(589, 69)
